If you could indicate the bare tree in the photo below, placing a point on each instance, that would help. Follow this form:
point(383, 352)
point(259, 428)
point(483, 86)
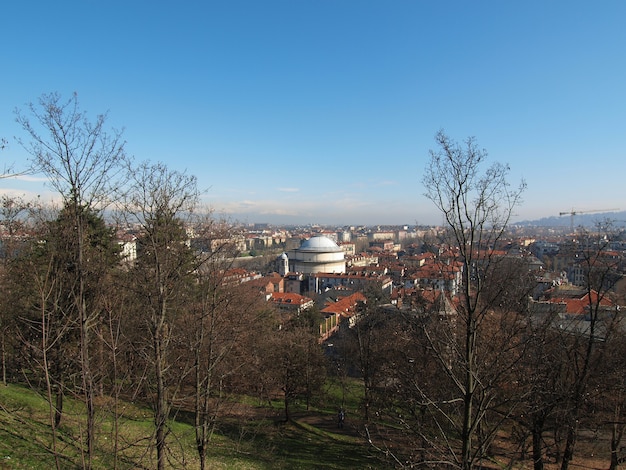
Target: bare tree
point(81, 159)
point(540, 382)
point(365, 344)
point(477, 208)
point(40, 321)
point(8, 170)
point(227, 321)
point(44, 354)
point(297, 363)
point(613, 401)
point(159, 201)
point(590, 334)
point(13, 222)
point(217, 316)
point(82, 162)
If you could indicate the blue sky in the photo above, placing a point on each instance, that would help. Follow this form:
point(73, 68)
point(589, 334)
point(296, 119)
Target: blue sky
point(324, 111)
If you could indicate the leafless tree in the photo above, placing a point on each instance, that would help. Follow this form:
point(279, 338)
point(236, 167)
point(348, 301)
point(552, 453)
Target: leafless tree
point(82, 161)
point(365, 344)
point(219, 317)
point(297, 363)
point(159, 201)
point(613, 401)
point(540, 380)
point(46, 353)
point(590, 334)
point(8, 169)
point(13, 222)
point(477, 206)
point(39, 320)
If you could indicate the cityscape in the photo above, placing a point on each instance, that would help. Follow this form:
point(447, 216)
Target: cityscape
point(313, 235)
point(346, 304)
point(128, 290)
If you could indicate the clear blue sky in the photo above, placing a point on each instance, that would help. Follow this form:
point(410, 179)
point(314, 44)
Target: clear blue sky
point(324, 111)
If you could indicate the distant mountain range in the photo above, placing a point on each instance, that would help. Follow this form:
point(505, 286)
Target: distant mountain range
point(584, 220)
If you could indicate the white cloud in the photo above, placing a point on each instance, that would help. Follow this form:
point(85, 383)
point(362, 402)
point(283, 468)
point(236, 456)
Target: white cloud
point(28, 178)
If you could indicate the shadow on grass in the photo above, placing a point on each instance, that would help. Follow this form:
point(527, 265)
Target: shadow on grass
point(301, 447)
point(304, 443)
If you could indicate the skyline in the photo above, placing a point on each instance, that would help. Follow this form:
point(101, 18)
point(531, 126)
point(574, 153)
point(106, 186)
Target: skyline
point(324, 112)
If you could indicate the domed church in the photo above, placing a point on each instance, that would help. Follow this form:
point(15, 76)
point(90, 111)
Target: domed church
point(318, 254)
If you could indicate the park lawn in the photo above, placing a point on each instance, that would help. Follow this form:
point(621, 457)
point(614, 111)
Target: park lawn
point(253, 444)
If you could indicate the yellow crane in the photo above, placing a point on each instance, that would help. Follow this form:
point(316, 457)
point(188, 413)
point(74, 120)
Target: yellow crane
point(573, 212)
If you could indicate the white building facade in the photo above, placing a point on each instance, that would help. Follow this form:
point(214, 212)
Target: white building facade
point(318, 254)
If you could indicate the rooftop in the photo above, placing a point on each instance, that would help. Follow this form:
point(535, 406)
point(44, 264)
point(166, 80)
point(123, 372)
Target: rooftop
point(320, 243)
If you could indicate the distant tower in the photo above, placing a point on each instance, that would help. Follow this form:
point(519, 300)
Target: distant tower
point(283, 264)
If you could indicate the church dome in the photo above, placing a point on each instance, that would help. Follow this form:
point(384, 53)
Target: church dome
point(318, 254)
point(319, 243)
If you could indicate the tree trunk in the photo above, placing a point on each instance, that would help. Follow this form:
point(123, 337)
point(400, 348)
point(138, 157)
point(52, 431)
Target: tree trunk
point(616, 437)
point(570, 443)
point(287, 415)
point(537, 433)
point(58, 405)
point(88, 388)
point(85, 361)
point(617, 432)
point(55, 416)
point(468, 397)
point(160, 415)
point(4, 360)
point(201, 401)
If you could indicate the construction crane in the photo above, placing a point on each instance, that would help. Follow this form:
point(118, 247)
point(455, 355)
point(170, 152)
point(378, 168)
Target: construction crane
point(573, 212)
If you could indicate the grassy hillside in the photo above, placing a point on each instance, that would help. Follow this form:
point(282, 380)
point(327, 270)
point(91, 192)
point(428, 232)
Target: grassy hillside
point(249, 437)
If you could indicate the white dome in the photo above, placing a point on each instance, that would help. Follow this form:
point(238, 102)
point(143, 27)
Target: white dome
point(317, 255)
point(319, 243)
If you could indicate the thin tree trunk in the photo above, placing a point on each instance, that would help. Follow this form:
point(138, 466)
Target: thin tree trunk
point(116, 392)
point(468, 397)
point(53, 410)
point(160, 418)
point(616, 438)
point(570, 443)
point(58, 405)
point(287, 415)
point(537, 433)
point(4, 359)
point(201, 399)
point(88, 390)
point(200, 419)
point(88, 385)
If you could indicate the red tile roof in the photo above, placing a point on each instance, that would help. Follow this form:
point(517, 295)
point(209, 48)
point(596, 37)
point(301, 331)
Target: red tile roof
point(581, 304)
point(289, 298)
point(345, 306)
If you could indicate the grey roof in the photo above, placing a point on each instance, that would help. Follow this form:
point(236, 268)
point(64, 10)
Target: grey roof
point(319, 244)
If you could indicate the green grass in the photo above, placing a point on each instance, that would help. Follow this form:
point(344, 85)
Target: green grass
point(25, 436)
point(346, 394)
point(299, 448)
point(248, 444)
